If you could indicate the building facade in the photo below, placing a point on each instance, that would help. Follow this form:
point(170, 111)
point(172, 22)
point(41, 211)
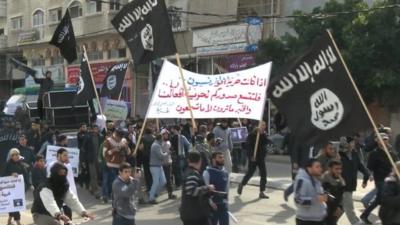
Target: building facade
point(211, 37)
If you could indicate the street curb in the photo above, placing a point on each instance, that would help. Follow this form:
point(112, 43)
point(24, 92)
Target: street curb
point(276, 183)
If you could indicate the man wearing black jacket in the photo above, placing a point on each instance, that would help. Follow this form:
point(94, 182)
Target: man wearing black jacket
point(380, 166)
point(195, 208)
point(390, 205)
point(46, 84)
point(351, 165)
point(258, 161)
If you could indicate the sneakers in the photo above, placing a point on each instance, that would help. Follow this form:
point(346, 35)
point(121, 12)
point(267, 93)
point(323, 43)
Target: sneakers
point(364, 219)
point(240, 189)
point(263, 195)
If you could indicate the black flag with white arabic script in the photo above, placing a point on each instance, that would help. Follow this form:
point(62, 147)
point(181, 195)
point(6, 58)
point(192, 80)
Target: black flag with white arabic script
point(22, 67)
point(317, 96)
point(112, 84)
point(64, 39)
point(145, 26)
point(85, 90)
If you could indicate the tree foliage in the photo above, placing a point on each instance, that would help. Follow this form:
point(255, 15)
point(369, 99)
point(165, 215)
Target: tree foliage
point(368, 41)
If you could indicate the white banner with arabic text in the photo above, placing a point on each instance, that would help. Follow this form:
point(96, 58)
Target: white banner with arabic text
point(240, 94)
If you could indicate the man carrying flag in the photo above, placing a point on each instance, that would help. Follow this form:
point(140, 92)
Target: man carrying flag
point(46, 84)
point(112, 84)
point(64, 39)
point(320, 99)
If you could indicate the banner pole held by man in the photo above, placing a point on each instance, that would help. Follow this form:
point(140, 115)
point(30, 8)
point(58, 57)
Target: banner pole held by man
point(378, 135)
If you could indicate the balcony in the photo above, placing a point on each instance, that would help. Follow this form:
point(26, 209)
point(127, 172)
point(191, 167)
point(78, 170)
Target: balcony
point(3, 8)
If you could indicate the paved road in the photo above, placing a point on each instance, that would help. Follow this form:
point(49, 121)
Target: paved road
point(248, 209)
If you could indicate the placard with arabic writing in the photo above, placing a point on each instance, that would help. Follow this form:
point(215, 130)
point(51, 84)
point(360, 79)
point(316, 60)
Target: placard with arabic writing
point(12, 194)
point(241, 94)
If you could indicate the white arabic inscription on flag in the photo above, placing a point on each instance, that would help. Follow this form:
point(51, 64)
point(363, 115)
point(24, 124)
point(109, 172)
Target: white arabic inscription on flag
point(306, 72)
point(326, 109)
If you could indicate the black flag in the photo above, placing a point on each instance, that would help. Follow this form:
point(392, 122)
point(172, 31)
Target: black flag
point(145, 26)
point(64, 39)
point(85, 90)
point(317, 96)
point(114, 80)
point(22, 67)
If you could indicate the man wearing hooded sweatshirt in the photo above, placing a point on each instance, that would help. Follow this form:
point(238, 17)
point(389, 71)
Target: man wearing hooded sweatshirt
point(309, 195)
point(49, 197)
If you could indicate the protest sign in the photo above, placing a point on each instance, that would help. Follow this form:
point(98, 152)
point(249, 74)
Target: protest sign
point(73, 153)
point(115, 110)
point(12, 194)
point(239, 134)
point(232, 95)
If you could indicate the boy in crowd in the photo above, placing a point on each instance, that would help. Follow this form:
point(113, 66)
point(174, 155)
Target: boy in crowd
point(334, 184)
point(39, 172)
point(217, 175)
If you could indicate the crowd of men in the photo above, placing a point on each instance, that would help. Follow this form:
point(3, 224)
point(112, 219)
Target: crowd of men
point(115, 167)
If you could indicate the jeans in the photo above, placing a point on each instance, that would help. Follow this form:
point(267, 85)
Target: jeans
point(263, 173)
point(369, 197)
point(120, 220)
point(220, 216)
point(377, 201)
point(109, 175)
point(159, 181)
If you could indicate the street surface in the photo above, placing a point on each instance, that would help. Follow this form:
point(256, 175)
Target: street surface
point(247, 208)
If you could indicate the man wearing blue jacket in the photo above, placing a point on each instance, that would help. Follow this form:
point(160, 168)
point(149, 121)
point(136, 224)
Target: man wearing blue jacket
point(309, 195)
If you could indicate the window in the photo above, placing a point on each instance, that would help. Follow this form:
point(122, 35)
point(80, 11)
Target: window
point(115, 5)
point(117, 53)
point(16, 23)
point(75, 9)
point(38, 62)
point(38, 18)
point(57, 60)
point(55, 15)
point(258, 7)
point(94, 6)
point(95, 55)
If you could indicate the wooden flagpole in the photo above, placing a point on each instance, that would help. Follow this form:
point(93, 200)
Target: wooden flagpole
point(240, 122)
point(186, 92)
point(365, 107)
point(91, 78)
point(123, 82)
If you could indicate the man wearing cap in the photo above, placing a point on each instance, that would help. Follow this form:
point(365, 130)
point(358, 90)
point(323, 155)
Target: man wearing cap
point(380, 166)
point(225, 144)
